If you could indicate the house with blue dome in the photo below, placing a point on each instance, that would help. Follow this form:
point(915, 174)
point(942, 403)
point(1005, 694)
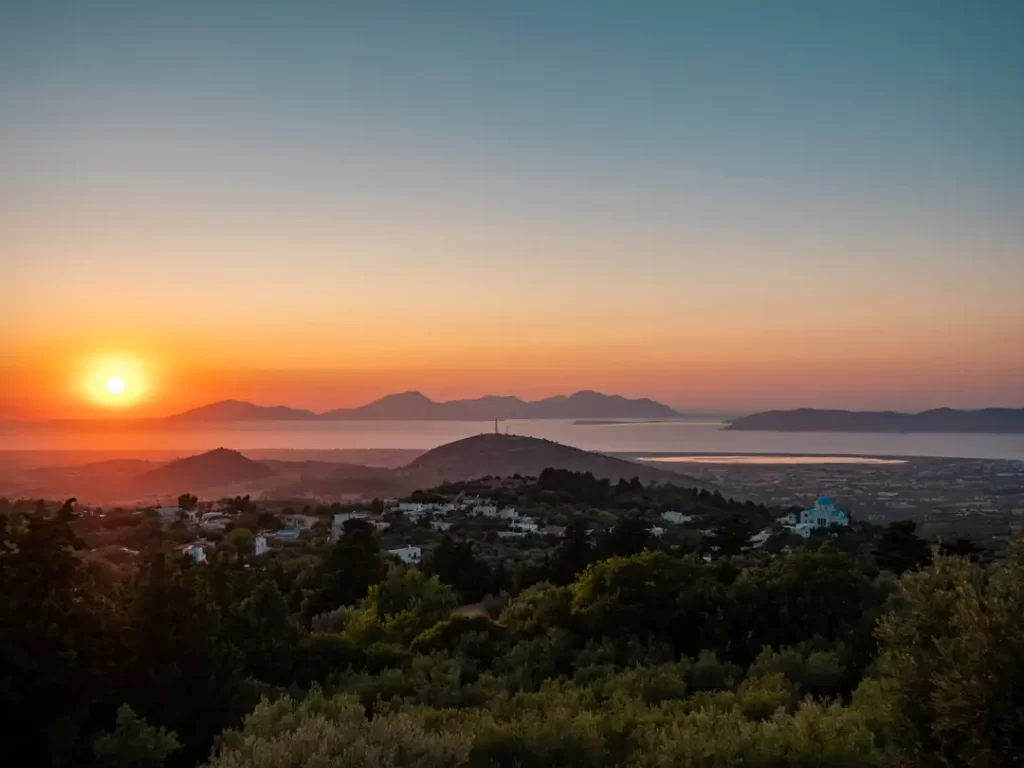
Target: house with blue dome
point(824, 514)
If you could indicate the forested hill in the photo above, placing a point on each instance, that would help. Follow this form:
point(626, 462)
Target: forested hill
point(987, 420)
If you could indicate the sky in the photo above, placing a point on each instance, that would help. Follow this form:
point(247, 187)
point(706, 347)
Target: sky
point(716, 204)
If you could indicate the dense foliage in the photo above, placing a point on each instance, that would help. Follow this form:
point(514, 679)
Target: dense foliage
point(614, 650)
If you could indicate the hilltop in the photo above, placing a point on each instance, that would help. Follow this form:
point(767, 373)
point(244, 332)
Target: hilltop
point(986, 420)
point(220, 467)
point(504, 455)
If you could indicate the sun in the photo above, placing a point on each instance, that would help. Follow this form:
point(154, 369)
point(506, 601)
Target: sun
point(115, 382)
point(115, 385)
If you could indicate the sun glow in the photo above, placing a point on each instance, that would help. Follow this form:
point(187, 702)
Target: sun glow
point(115, 382)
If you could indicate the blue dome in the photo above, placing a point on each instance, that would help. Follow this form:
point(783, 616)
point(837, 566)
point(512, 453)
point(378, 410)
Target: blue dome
point(824, 501)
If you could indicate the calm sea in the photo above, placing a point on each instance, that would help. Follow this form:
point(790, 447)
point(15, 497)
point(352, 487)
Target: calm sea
point(663, 437)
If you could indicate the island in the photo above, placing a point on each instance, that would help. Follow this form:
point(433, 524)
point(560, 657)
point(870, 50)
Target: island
point(985, 420)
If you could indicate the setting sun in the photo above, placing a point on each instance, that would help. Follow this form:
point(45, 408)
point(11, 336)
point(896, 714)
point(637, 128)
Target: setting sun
point(115, 385)
point(115, 382)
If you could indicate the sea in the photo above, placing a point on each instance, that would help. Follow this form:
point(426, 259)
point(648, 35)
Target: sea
point(698, 438)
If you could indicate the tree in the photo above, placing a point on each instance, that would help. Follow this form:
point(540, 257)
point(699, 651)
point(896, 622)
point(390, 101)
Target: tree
point(574, 553)
point(187, 501)
point(134, 744)
point(952, 648)
point(801, 596)
point(347, 571)
point(406, 603)
point(266, 634)
point(183, 673)
point(240, 541)
point(899, 549)
point(58, 642)
point(730, 534)
point(630, 536)
point(322, 730)
point(961, 547)
point(456, 565)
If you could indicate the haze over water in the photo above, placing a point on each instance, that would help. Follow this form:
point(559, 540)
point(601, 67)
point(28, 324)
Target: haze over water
point(702, 437)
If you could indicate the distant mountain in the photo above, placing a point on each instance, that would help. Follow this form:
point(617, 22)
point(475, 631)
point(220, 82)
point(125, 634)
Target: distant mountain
point(504, 455)
point(987, 420)
point(586, 404)
point(239, 410)
point(219, 467)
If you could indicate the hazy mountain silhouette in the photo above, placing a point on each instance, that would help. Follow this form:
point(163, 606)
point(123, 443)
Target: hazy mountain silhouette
point(239, 410)
point(986, 420)
point(416, 406)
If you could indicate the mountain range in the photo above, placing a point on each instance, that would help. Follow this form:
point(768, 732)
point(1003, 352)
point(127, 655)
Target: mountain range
point(986, 420)
point(415, 406)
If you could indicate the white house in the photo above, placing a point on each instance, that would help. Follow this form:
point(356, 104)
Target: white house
point(302, 522)
point(343, 517)
point(485, 510)
point(169, 515)
point(657, 531)
point(339, 520)
point(760, 538)
point(195, 551)
point(408, 554)
point(824, 514)
point(259, 545)
point(676, 518)
point(440, 525)
point(508, 513)
point(525, 525)
point(214, 521)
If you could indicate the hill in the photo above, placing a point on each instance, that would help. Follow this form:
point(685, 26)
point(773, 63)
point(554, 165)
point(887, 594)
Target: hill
point(417, 406)
point(220, 467)
point(987, 420)
point(239, 410)
point(505, 455)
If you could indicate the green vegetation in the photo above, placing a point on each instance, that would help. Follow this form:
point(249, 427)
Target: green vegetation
point(605, 648)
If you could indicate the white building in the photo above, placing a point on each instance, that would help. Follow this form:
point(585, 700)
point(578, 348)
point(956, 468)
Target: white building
point(485, 510)
point(195, 551)
point(259, 545)
point(524, 525)
point(408, 554)
point(343, 517)
point(824, 514)
point(214, 521)
point(657, 531)
point(760, 538)
point(302, 522)
point(169, 515)
point(440, 525)
point(676, 518)
point(339, 520)
point(508, 513)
